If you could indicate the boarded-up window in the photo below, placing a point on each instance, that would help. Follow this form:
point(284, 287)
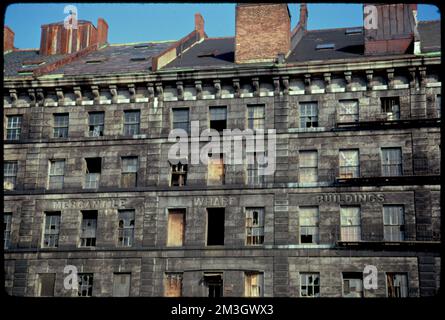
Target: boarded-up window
point(121, 284)
point(10, 175)
point(390, 107)
point(179, 174)
point(350, 223)
point(393, 223)
point(7, 220)
point(218, 118)
point(45, 285)
point(352, 284)
point(349, 164)
point(309, 284)
point(216, 171)
point(347, 111)
point(88, 228)
point(397, 285)
point(176, 227)
point(129, 172)
point(253, 284)
point(51, 233)
point(215, 226)
point(254, 226)
point(391, 162)
point(214, 283)
point(173, 285)
point(56, 174)
point(126, 228)
point(309, 219)
point(85, 288)
point(308, 169)
point(255, 117)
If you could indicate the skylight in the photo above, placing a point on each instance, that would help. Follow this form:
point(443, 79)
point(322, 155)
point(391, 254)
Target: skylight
point(325, 46)
point(94, 61)
point(142, 46)
point(354, 31)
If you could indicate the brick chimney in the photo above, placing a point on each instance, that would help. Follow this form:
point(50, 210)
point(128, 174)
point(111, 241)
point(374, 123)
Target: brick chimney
point(199, 25)
point(301, 28)
point(303, 16)
point(8, 39)
point(394, 28)
point(56, 39)
point(262, 32)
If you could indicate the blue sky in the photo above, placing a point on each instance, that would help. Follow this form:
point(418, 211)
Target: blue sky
point(155, 22)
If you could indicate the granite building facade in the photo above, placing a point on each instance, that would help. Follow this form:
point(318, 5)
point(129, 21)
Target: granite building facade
point(88, 181)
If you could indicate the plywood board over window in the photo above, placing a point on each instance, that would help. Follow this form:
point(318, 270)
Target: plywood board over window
point(173, 285)
point(216, 171)
point(176, 227)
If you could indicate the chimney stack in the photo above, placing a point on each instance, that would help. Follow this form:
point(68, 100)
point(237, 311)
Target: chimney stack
point(8, 39)
point(199, 25)
point(392, 30)
point(303, 16)
point(102, 31)
point(262, 32)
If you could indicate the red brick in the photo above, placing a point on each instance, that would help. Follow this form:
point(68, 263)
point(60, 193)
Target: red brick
point(8, 39)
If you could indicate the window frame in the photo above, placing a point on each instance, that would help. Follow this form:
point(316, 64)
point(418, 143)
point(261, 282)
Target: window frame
point(14, 127)
point(48, 232)
point(83, 240)
point(125, 232)
point(356, 226)
point(260, 284)
point(100, 124)
point(393, 103)
point(7, 231)
point(253, 118)
point(125, 171)
point(213, 108)
point(61, 125)
point(174, 122)
point(343, 107)
point(10, 174)
point(392, 226)
point(308, 117)
point(398, 162)
point(88, 285)
point(133, 127)
point(54, 175)
point(315, 226)
point(313, 285)
point(259, 226)
point(346, 170)
point(405, 274)
point(302, 168)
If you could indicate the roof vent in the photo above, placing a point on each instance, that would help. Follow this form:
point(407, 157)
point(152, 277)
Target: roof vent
point(138, 59)
point(354, 31)
point(142, 46)
point(325, 46)
point(94, 61)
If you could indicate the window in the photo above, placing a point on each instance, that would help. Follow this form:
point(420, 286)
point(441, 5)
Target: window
point(56, 174)
point(51, 231)
point(96, 124)
point(7, 223)
point(397, 285)
point(88, 231)
point(126, 228)
point(255, 117)
point(45, 284)
point(439, 105)
point(14, 127)
point(215, 226)
point(121, 284)
point(309, 284)
point(218, 118)
point(173, 285)
point(61, 121)
point(131, 122)
point(215, 171)
point(254, 226)
point(92, 177)
point(255, 170)
point(176, 228)
point(393, 223)
point(308, 225)
point(181, 119)
point(10, 175)
point(348, 111)
point(391, 162)
point(129, 172)
point(349, 164)
point(308, 172)
point(391, 107)
point(352, 284)
point(308, 114)
point(179, 175)
point(214, 283)
point(85, 284)
point(253, 284)
point(350, 223)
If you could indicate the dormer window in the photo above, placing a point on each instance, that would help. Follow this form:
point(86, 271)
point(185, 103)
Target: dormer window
point(325, 46)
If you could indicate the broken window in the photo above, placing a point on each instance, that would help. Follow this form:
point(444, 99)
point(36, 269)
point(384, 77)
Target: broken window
point(176, 227)
point(131, 122)
point(179, 175)
point(96, 124)
point(391, 162)
point(309, 219)
point(10, 175)
point(215, 171)
point(254, 226)
point(390, 107)
point(438, 105)
point(56, 174)
point(308, 169)
point(85, 284)
point(255, 117)
point(121, 284)
point(393, 223)
point(218, 118)
point(61, 122)
point(126, 228)
point(7, 220)
point(349, 164)
point(253, 284)
point(352, 284)
point(14, 127)
point(397, 285)
point(215, 226)
point(181, 119)
point(129, 172)
point(309, 284)
point(308, 114)
point(51, 231)
point(255, 170)
point(173, 285)
point(214, 283)
point(347, 111)
point(350, 223)
point(88, 228)
point(93, 170)
point(45, 284)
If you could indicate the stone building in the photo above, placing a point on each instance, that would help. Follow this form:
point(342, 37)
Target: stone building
point(89, 185)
